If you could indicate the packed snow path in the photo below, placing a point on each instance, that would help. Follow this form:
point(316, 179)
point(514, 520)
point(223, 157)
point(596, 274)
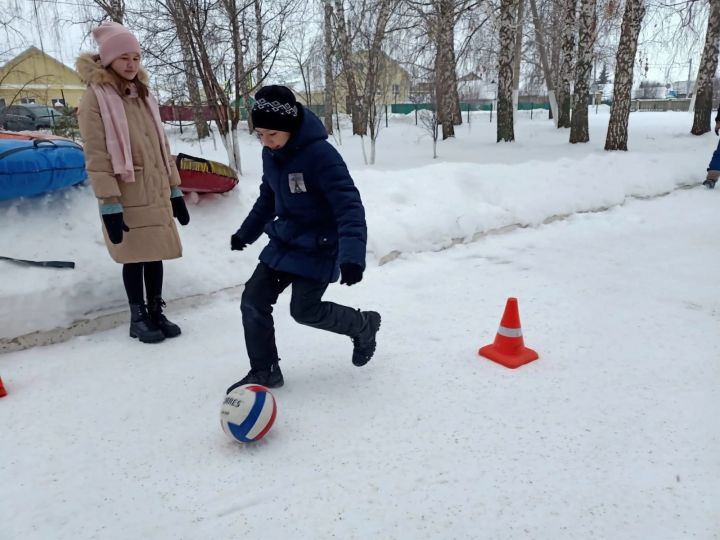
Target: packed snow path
point(612, 433)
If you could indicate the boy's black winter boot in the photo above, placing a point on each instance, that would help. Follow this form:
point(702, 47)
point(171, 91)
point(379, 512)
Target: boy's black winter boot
point(142, 327)
point(364, 343)
point(270, 378)
point(711, 178)
point(155, 310)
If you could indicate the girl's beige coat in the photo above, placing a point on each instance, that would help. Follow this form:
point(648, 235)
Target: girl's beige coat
point(146, 202)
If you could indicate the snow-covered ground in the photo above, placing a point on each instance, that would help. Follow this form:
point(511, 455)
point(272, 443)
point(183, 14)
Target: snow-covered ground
point(612, 434)
point(414, 204)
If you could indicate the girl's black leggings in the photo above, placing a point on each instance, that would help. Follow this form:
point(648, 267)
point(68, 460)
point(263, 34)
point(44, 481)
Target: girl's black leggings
point(133, 276)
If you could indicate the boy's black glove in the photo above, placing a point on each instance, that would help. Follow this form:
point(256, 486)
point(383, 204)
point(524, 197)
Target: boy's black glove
point(180, 210)
point(351, 274)
point(237, 243)
point(114, 225)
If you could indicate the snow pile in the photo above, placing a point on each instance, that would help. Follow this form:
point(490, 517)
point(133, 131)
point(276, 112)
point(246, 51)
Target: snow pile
point(413, 204)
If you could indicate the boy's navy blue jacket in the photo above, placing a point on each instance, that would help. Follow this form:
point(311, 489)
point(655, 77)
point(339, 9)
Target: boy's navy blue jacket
point(308, 206)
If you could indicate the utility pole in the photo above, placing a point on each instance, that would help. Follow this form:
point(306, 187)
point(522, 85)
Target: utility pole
point(687, 95)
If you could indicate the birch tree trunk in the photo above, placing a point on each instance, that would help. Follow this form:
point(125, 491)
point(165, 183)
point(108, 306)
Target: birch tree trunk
point(230, 140)
point(542, 49)
point(518, 54)
point(508, 30)
point(346, 56)
point(579, 132)
point(329, 82)
point(374, 123)
point(706, 72)
point(617, 133)
point(445, 78)
point(452, 79)
point(564, 95)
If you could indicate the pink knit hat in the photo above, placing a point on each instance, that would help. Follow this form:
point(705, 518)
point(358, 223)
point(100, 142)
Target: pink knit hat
point(113, 41)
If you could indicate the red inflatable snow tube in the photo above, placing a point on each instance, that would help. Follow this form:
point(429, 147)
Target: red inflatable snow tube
point(201, 175)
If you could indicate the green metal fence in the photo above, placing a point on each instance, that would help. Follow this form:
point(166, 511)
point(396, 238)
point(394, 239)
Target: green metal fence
point(407, 108)
point(530, 106)
point(317, 108)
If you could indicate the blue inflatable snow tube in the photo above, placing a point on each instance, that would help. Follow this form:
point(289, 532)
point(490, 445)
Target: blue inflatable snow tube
point(34, 167)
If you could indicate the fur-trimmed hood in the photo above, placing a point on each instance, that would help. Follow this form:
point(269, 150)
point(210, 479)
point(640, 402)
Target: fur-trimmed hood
point(91, 71)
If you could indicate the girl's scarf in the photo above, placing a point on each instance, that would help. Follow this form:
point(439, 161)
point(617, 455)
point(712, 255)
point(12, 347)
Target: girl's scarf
point(117, 131)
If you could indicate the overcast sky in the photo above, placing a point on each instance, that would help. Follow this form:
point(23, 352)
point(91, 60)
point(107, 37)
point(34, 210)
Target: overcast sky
point(64, 40)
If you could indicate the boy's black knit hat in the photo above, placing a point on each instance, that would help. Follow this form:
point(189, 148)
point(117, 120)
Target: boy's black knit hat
point(275, 108)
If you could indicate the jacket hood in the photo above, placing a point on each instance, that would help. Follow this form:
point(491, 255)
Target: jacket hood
point(91, 71)
point(311, 130)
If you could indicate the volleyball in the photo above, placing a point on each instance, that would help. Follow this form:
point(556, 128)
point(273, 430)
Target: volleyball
point(248, 413)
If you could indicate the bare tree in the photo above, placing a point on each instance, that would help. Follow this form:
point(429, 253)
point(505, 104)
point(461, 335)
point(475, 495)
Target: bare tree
point(542, 48)
point(184, 37)
point(518, 53)
point(579, 132)
point(377, 105)
point(429, 123)
point(507, 32)
point(223, 35)
point(567, 57)
point(346, 57)
point(617, 133)
point(304, 48)
point(259, 44)
point(109, 9)
point(90, 13)
point(238, 83)
point(10, 18)
point(706, 72)
point(364, 62)
point(374, 122)
point(198, 16)
point(328, 53)
point(191, 79)
point(677, 30)
point(476, 51)
point(440, 19)
point(434, 55)
point(448, 101)
point(377, 70)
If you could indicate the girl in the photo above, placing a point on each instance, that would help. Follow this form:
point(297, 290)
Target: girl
point(132, 173)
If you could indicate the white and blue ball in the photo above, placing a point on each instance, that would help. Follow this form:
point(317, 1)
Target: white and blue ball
point(248, 413)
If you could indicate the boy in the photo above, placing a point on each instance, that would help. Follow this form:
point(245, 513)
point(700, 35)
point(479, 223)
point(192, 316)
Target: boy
point(312, 212)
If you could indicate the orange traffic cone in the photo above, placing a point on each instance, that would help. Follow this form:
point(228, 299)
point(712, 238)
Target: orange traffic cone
point(509, 347)
point(3, 392)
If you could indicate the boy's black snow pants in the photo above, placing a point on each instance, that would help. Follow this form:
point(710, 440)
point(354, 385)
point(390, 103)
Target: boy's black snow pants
point(306, 307)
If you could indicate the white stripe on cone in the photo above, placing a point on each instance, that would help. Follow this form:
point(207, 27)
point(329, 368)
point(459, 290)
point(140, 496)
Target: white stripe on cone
point(510, 332)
